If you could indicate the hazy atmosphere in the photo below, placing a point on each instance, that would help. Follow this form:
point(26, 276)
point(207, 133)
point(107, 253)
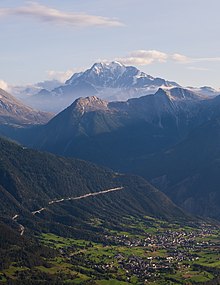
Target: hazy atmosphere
point(175, 40)
point(110, 142)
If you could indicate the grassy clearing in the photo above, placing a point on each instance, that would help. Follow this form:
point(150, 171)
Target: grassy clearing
point(61, 242)
point(190, 275)
point(13, 270)
point(111, 282)
point(2, 278)
point(57, 266)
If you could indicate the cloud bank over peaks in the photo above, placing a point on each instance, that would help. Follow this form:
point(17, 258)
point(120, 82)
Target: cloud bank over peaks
point(146, 57)
point(47, 14)
point(143, 57)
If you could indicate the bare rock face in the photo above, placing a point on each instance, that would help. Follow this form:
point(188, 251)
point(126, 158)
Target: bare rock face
point(90, 104)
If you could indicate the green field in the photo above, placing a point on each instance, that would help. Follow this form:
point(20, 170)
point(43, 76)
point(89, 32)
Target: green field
point(147, 251)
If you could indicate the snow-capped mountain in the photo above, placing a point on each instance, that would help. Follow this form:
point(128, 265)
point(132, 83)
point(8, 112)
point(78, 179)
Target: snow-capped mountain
point(113, 81)
point(117, 75)
point(109, 81)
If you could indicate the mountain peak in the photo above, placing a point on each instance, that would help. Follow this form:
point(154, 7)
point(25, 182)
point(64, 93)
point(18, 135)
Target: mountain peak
point(91, 103)
point(112, 64)
point(116, 75)
point(114, 67)
point(111, 81)
point(178, 93)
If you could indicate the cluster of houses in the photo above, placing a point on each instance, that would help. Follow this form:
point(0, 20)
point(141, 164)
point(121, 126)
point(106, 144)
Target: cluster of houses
point(165, 252)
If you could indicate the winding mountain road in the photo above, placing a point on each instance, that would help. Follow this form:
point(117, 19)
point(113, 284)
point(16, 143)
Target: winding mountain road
point(22, 228)
point(78, 198)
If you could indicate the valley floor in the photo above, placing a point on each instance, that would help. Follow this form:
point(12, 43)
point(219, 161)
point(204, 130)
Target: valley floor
point(144, 251)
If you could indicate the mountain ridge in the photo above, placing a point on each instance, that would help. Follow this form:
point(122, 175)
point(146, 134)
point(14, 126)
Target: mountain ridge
point(125, 135)
point(13, 111)
point(109, 81)
point(90, 116)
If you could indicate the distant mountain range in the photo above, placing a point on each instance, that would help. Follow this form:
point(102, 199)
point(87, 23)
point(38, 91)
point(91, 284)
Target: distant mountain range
point(108, 81)
point(130, 136)
point(157, 120)
point(153, 136)
point(23, 92)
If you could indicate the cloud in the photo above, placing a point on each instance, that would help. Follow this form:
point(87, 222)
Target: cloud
point(198, 68)
point(4, 85)
point(146, 57)
point(47, 14)
point(180, 58)
point(143, 57)
point(61, 76)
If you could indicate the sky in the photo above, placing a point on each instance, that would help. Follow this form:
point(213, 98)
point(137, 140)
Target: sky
point(178, 40)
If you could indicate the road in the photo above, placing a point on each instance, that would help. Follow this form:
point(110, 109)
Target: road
point(77, 198)
point(22, 228)
point(15, 217)
point(38, 211)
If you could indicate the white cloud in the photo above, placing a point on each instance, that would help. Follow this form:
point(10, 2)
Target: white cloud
point(61, 76)
point(198, 68)
point(146, 57)
point(180, 58)
point(47, 14)
point(4, 85)
point(143, 57)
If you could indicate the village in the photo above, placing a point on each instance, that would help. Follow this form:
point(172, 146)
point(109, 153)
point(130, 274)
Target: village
point(146, 258)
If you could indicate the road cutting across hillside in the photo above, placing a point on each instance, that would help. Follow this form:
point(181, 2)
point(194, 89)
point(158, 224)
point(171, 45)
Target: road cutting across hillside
point(22, 228)
point(78, 198)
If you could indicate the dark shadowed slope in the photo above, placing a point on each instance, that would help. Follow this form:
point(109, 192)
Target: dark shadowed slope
point(189, 172)
point(30, 180)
